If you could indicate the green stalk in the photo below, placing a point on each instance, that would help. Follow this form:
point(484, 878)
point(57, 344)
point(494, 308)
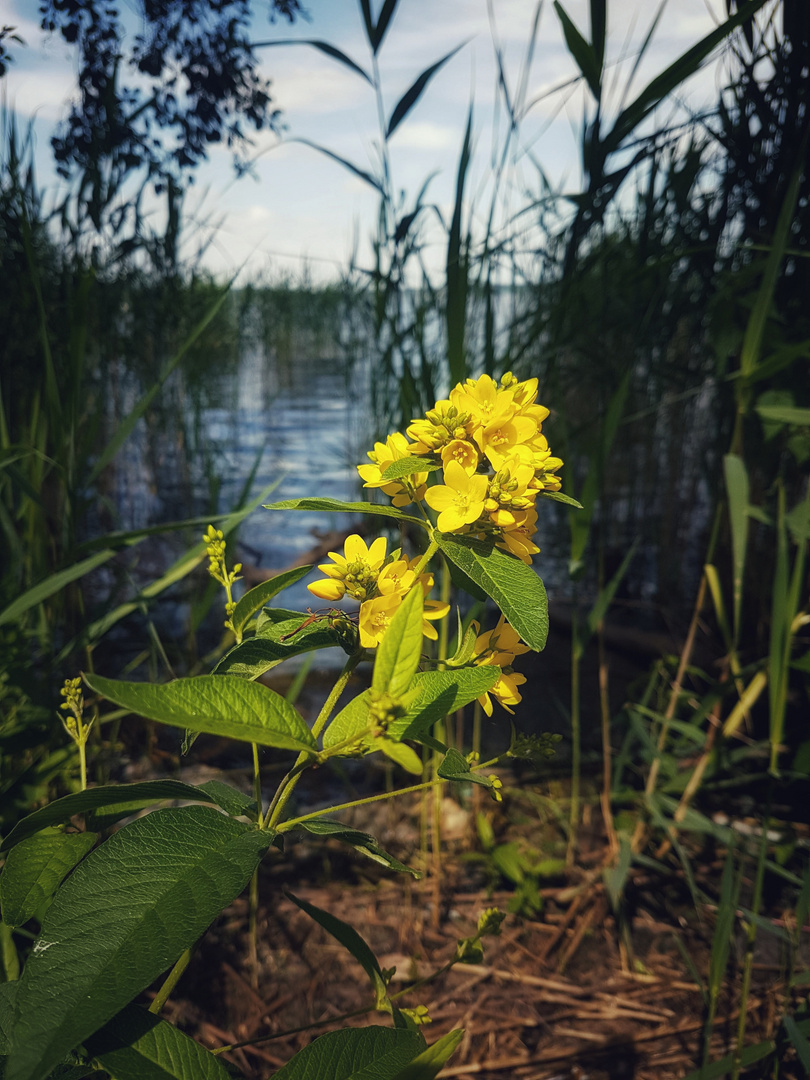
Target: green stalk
point(172, 979)
point(751, 937)
point(576, 738)
point(287, 785)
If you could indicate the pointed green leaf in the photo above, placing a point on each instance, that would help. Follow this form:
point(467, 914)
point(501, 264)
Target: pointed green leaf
point(457, 269)
point(438, 693)
point(363, 842)
point(386, 13)
point(369, 1053)
point(136, 1045)
point(515, 587)
point(256, 598)
point(222, 705)
point(599, 30)
point(400, 649)
point(52, 585)
point(398, 752)
point(101, 798)
point(672, 77)
point(35, 868)
point(737, 490)
point(322, 46)
point(441, 693)
point(456, 767)
point(232, 801)
point(407, 466)
point(124, 916)
point(335, 506)
point(349, 939)
point(412, 95)
point(432, 1060)
point(361, 174)
point(584, 55)
point(280, 634)
point(784, 415)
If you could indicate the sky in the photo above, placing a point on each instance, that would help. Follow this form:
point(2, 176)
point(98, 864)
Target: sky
point(302, 213)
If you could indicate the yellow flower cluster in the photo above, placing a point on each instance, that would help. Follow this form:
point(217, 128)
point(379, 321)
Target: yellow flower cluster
point(495, 460)
point(500, 647)
point(380, 581)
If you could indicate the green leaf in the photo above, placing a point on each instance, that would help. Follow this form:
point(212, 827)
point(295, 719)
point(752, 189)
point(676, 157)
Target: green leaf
point(407, 466)
point(515, 587)
point(8, 995)
point(232, 801)
point(432, 1060)
point(139, 795)
point(35, 868)
point(560, 497)
point(51, 585)
point(465, 647)
point(438, 694)
point(401, 648)
point(784, 415)
point(280, 635)
point(616, 876)
point(583, 53)
point(124, 916)
point(737, 489)
point(361, 174)
point(414, 92)
point(322, 46)
point(256, 598)
point(398, 752)
point(215, 704)
point(441, 693)
point(369, 1053)
point(363, 842)
point(136, 1045)
point(456, 767)
point(749, 1055)
point(334, 506)
point(664, 83)
point(351, 940)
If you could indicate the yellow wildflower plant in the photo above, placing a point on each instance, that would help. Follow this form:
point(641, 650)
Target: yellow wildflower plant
point(406, 490)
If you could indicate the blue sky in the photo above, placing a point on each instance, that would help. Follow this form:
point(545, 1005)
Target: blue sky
point(301, 209)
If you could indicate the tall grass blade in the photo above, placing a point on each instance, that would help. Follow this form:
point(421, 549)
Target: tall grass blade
point(355, 169)
point(457, 271)
point(583, 53)
point(755, 328)
point(412, 95)
point(737, 489)
point(322, 46)
point(662, 85)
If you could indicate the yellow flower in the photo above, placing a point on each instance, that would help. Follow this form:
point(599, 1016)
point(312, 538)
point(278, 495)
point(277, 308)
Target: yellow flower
point(483, 399)
point(355, 572)
point(504, 436)
point(460, 501)
point(397, 577)
point(508, 495)
point(375, 618)
point(462, 451)
point(499, 647)
point(433, 610)
point(503, 639)
point(505, 691)
point(406, 490)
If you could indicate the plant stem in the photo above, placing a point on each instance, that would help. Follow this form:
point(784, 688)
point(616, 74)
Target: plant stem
point(257, 783)
point(287, 785)
point(576, 740)
point(432, 548)
point(83, 763)
point(172, 980)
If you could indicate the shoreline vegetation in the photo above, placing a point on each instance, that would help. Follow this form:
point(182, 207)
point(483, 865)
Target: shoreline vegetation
point(652, 841)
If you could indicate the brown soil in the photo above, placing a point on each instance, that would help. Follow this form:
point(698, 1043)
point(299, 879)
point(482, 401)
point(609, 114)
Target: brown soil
point(569, 993)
